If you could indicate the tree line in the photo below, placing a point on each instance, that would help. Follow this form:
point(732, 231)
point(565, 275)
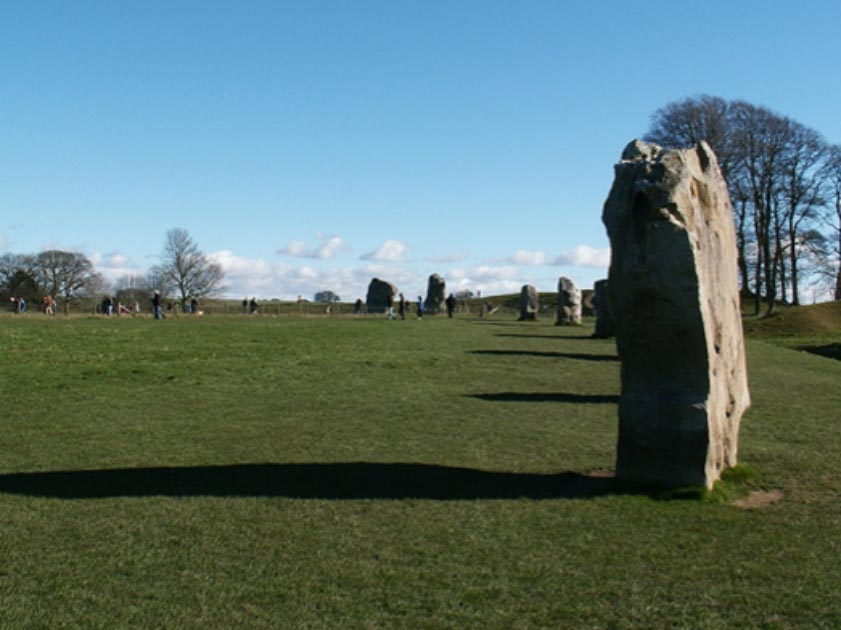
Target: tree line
point(184, 272)
point(784, 181)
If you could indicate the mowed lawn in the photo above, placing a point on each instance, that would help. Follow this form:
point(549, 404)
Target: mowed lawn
point(355, 472)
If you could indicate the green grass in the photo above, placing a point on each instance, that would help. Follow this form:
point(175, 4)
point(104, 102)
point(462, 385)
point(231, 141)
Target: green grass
point(344, 472)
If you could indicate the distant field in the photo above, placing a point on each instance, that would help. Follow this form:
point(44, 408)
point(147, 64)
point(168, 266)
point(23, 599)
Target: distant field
point(356, 472)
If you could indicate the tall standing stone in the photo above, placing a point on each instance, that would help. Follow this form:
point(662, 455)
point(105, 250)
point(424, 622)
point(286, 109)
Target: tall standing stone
point(675, 299)
point(435, 294)
point(569, 303)
point(601, 306)
point(529, 303)
point(380, 295)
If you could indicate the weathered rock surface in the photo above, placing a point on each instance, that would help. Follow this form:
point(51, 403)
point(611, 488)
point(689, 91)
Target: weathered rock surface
point(605, 327)
point(435, 294)
point(380, 295)
point(675, 300)
point(569, 303)
point(529, 302)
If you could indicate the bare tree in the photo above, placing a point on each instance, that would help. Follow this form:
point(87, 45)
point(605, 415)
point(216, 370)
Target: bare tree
point(683, 124)
point(65, 274)
point(760, 142)
point(132, 288)
point(832, 179)
point(185, 269)
point(773, 168)
point(802, 178)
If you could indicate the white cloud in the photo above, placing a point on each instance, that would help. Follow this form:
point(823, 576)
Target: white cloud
point(448, 258)
point(236, 266)
point(298, 249)
point(523, 257)
point(584, 256)
point(329, 248)
point(256, 277)
point(326, 250)
point(486, 279)
point(390, 251)
point(114, 265)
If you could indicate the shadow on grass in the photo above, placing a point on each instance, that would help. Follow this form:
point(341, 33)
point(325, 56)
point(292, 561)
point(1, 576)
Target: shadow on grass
point(549, 397)
point(830, 351)
point(358, 480)
point(555, 355)
point(531, 336)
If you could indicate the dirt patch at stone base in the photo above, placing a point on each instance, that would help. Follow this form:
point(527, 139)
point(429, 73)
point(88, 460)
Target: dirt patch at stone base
point(759, 499)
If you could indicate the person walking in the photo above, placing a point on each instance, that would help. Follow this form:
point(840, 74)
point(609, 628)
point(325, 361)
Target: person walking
point(420, 307)
point(451, 305)
point(401, 307)
point(156, 305)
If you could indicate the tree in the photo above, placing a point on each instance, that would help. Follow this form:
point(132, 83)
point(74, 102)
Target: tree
point(65, 274)
point(10, 266)
point(774, 173)
point(759, 140)
point(832, 173)
point(132, 288)
point(326, 296)
point(185, 269)
point(22, 285)
point(685, 123)
point(802, 177)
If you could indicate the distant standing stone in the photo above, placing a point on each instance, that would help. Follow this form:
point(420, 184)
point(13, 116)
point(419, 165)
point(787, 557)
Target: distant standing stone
point(435, 294)
point(605, 327)
point(569, 303)
point(529, 303)
point(380, 296)
point(675, 299)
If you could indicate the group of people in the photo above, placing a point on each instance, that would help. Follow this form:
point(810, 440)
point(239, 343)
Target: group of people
point(158, 311)
point(18, 304)
point(402, 305)
point(48, 304)
point(251, 306)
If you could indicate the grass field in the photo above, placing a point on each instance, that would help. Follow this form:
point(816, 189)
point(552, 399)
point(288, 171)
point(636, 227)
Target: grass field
point(355, 472)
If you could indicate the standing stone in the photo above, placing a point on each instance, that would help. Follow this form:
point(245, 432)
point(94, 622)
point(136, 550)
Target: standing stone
point(380, 295)
point(675, 299)
point(529, 303)
point(601, 305)
point(569, 303)
point(435, 294)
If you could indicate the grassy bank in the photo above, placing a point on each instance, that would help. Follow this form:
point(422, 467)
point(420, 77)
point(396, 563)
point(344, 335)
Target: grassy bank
point(355, 472)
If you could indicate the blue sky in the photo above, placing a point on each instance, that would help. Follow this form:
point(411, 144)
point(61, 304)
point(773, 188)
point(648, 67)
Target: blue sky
point(314, 145)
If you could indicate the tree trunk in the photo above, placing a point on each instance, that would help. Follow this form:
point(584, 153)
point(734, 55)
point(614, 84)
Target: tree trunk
point(795, 291)
point(741, 245)
point(757, 282)
point(838, 273)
